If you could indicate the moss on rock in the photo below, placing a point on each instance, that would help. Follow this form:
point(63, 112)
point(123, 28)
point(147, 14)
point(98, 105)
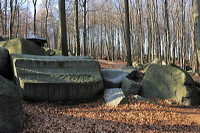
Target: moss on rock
point(49, 52)
point(169, 82)
point(57, 78)
point(11, 112)
point(22, 46)
point(5, 64)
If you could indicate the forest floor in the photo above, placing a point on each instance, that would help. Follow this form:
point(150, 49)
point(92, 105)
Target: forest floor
point(96, 117)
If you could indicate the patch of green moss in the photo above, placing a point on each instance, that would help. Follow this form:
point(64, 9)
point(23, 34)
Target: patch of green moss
point(22, 46)
point(49, 52)
point(58, 52)
point(169, 82)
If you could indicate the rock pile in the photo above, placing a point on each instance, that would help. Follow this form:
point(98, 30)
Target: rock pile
point(118, 85)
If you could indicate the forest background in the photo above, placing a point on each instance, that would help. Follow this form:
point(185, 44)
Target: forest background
point(161, 29)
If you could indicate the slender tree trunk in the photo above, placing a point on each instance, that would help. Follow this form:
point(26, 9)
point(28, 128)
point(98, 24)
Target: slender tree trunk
point(127, 24)
point(158, 40)
point(183, 35)
point(18, 23)
point(118, 44)
point(11, 19)
point(6, 20)
point(34, 21)
point(149, 33)
point(2, 18)
point(101, 39)
point(62, 37)
point(76, 28)
point(196, 44)
point(167, 33)
point(46, 19)
point(84, 28)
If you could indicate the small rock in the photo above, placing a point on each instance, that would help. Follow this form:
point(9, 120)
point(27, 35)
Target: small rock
point(130, 87)
point(114, 97)
point(113, 78)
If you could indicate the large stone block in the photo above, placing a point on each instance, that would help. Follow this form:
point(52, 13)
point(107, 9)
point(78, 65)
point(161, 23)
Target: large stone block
point(5, 65)
point(11, 112)
point(169, 82)
point(22, 46)
point(57, 78)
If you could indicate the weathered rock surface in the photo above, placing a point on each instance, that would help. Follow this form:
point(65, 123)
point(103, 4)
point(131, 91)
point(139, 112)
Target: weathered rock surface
point(114, 97)
point(11, 112)
point(57, 78)
point(113, 78)
point(169, 82)
point(130, 86)
point(133, 73)
point(155, 61)
point(22, 46)
point(5, 65)
point(137, 66)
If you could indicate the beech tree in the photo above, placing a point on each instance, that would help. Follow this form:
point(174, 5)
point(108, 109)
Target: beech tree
point(47, 4)
point(85, 27)
point(76, 29)
point(62, 37)
point(34, 22)
point(127, 24)
point(162, 29)
point(196, 44)
point(6, 18)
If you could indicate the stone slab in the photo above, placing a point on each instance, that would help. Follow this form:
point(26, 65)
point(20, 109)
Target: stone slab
point(57, 78)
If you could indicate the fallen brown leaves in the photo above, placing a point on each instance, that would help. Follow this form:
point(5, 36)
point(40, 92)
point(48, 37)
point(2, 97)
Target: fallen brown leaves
point(111, 64)
point(96, 117)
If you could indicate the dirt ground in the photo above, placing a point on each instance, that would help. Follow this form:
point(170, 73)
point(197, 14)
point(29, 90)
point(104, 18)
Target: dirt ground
point(96, 117)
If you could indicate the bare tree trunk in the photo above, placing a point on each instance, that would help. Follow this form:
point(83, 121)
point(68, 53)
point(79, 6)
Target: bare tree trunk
point(140, 39)
point(158, 40)
point(2, 18)
point(18, 21)
point(196, 44)
point(167, 33)
point(12, 17)
point(84, 27)
point(6, 20)
point(76, 28)
point(46, 18)
point(127, 24)
point(118, 44)
point(183, 36)
point(34, 22)
point(101, 39)
point(62, 37)
point(150, 37)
